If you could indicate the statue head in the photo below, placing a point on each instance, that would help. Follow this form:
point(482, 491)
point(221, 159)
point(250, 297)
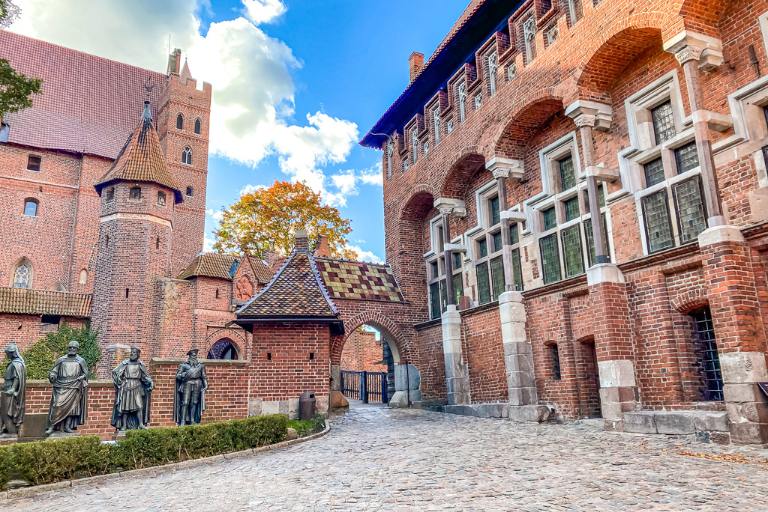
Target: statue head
point(135, 353)
point(73, 347)
point(11, 350)
point(192, 353)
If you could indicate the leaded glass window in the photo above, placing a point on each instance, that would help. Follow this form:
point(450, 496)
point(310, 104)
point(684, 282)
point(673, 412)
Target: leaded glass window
point(566, 171)
point(514, 234)
point(483, 283)
point(663, 122)
point(434, 300)
point(458, 287)
point(550, 218)
point(493, 66)
point(22, 276)
point(494, 212)
point(658, 227)
point(482, 248)
point(654, 172)
point(571, 208)
point(691, 215)
point(497, 276)
point(434, 269)
point(456, 260)
point(497, 242)
point(550, 258)
point(517, 269)
point(590, 239)
point(572, 255)
point(600, 198)
point(686, 158)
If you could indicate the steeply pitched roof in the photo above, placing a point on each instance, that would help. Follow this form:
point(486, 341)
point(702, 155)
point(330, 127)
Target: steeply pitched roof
point(356, 280)
point(211, 264)
point(261, 270)
point(87, 104)
point(141, 159)
point(22, 301)
point(295, 292)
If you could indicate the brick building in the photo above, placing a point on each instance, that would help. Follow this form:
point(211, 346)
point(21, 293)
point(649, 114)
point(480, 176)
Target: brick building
point(527, 117)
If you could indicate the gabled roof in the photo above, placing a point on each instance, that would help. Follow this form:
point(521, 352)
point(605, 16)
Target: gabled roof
point(295, 292)
point(357, 280)
point(22, 301)
point(141, 159)
point(211, 264)
point(261, 270)
point(87, 102)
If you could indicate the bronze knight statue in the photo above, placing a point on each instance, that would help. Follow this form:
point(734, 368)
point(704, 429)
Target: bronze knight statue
point(69, 401)
point(133, 392)
point(191, 383)
point(14, 392)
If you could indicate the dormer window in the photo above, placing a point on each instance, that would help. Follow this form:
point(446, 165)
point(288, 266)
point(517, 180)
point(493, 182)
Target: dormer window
point(198, 126)
point(179, 122)
point(135, 194)
point(186, 156)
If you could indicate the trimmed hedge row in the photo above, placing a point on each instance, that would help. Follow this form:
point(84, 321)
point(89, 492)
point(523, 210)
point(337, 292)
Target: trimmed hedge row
point(45, 462)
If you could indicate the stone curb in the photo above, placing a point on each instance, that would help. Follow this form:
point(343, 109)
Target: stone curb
point(27, 492)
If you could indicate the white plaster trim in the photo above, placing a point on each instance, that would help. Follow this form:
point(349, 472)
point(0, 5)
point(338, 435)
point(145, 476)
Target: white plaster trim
point(601, 113)
point(710, 49)
point(619, 373)
point(506, 167)
point(510, 296)
point(513, 215)
point(562, 146)
point(720, 234)
point(604, 273)
point(451, 206)
point(137, 216)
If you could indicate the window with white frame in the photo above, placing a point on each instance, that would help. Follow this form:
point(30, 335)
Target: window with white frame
point(461, 96)
point(436, 278)
point(415, 144)
point(492, 61)
point(529, 38)
point(436, 124)
point(665, 170)
point(566, 244)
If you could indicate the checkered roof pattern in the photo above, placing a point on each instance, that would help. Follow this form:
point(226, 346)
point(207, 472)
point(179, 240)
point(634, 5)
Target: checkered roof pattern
point(357, 280)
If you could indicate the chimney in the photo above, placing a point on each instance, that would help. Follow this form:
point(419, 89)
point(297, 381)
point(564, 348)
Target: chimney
point(174, 62)
point(415, 64)
point(322, 249)
point(302, 241)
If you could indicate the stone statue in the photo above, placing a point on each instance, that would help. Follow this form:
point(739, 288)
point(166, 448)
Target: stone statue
point(133, 393)
point(14, 392)
point(191, 383)
point(69, 401)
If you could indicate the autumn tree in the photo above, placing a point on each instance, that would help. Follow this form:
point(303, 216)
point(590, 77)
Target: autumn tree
point(16, 89)
point(267, 219)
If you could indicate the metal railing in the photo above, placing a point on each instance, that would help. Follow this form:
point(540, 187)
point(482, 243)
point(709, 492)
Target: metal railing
point(369, 387)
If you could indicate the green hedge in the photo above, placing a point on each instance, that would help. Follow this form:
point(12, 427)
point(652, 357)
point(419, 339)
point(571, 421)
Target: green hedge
point(307, 427)
point(44, 462)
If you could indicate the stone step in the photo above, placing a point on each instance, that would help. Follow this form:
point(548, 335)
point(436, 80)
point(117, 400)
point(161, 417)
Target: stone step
point(675, 422)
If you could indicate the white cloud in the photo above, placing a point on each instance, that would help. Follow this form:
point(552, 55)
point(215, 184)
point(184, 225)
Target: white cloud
point(250, 71)
point(216, 215)
point(263, 11)
point(208, 244)
point(364, 255)
point(249, 189)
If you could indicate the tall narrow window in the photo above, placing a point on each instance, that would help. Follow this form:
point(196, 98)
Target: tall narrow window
point(414, 144)
point(161, 198)
point(550, 258)
point(658, 228)
point(554, 357)
point(22, 275)
point(198, 126)
point(709, 359)
point(529, 39)
point(186, 156)
point(30, 207)
point(436, 124)
point(493, 67)
point(34, 163)
point(663, 122)
point(390, 154)
point(462, 98)
point(691, 214)
point(179, 122)
point(566, 172)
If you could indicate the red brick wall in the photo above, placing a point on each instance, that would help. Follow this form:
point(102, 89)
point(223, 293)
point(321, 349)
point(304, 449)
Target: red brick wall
point(485, 355)
point(25, 330)
point(362, 353)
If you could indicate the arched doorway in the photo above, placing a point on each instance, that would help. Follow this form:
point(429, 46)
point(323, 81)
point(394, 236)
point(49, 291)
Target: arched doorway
point(224, 349)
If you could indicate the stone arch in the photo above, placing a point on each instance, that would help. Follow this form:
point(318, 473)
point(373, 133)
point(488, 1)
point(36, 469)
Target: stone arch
point(405, 251)
point(237, 337)
point(419, 203)
point(525, 121)
point(466, 166)
point(689, 301)
point(224, 348)
point(384, 324)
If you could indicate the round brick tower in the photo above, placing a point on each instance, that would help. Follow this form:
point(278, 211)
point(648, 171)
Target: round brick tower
point(138, 198)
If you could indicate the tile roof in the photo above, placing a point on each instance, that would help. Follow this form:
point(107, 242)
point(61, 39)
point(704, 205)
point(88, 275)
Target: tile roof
point(296, 291)
point(211, 264)
point(22, 301)
point(261, 270)
point(141, 159)
point(87, 104)
point(357, 280)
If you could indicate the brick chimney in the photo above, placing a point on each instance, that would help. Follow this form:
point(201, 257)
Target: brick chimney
point(302, 241)
point(322, 249)
point(415, 64)
point(174, 62)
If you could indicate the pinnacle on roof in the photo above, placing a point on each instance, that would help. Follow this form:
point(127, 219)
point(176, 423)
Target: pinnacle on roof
point(141, 159)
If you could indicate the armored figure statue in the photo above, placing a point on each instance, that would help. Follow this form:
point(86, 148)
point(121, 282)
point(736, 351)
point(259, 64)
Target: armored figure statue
point(133, 393)
point(191, 383)
point(14, 392)
point(69, 401)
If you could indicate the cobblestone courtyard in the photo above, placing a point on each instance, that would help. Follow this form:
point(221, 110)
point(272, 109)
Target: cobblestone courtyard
point(381, 459)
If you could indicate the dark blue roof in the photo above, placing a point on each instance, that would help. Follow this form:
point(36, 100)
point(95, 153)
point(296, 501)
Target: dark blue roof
point(489, 18)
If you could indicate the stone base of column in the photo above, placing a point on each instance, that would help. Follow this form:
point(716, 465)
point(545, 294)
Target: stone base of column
point(745, 403)
point(402, 398)
point(456, 374)
point(618, 391)
point(531, 413)
point(518, 354)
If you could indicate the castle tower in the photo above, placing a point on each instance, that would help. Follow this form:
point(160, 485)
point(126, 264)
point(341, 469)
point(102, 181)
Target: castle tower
point(138, 197)
point(183, 124)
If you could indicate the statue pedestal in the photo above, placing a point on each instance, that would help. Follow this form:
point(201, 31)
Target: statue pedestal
point(33, 428)
point(8, 439)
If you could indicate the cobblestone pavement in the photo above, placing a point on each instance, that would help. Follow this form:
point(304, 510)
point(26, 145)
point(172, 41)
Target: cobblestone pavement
point(381, 459)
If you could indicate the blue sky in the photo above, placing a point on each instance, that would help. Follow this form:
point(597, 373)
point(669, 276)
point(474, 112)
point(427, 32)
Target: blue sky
point(296, 82)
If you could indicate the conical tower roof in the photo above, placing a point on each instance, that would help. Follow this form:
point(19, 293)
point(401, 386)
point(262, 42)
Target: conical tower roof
point(141, 159)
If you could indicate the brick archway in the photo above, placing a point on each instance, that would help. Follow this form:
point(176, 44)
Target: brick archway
point(377, 315)
point(525, 121)
point(690, 300)
point(457, 179)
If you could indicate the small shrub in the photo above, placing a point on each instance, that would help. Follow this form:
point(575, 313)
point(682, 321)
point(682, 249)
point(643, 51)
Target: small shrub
point(41, 355)
point(52, 461)
point(308, 427)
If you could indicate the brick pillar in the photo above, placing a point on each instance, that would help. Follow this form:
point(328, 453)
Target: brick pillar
point(739, 330)
point(456, 373)
point(613, 343)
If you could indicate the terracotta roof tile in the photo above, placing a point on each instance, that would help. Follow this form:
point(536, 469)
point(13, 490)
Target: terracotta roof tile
point(261, 270)
point(87, 104)
point(211, 264)
point(22, 301)
point(357, 280)
point(296, 291)
point(141, 159)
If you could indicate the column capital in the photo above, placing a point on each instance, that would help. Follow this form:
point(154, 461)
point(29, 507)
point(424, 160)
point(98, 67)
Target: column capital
point(450, 206)
point(689, 46)
point(502, 167)
point(590, 113)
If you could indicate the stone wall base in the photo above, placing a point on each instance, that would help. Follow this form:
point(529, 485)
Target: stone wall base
point(531, 413)
point(706, 425)
point(258, 407)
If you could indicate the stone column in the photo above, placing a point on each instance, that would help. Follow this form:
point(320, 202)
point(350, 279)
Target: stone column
point(456, 372)
point(503, 169)
point(739, 330)
point(518, 361)
point(613, 343)
point(694, 51)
